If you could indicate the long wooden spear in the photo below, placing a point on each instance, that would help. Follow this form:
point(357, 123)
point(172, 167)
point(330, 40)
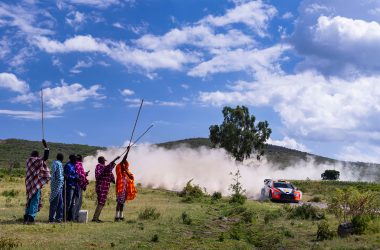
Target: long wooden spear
point(133, 131)
point(42, 113)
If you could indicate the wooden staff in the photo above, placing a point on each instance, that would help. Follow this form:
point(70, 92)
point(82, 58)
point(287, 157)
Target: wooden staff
point(42, 113)
point(133, 131)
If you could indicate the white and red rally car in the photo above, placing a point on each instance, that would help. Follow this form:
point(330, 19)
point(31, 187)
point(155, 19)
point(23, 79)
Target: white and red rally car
point(280, 190)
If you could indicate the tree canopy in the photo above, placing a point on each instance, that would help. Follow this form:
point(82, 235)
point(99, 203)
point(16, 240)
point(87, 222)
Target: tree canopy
point(239, 135)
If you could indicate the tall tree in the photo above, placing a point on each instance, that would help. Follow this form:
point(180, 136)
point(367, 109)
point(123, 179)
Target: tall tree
point(239, 135)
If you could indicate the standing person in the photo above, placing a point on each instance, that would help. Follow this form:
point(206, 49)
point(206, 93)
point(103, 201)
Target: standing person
point(125, 188)
point(37, 175)
point(103, 177)
point(71, 184)
point(81, 186)
point(56, 184)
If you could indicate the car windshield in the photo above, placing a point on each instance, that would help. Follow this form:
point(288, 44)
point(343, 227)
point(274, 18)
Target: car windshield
point(282, 185)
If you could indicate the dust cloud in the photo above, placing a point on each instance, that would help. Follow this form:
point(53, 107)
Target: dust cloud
point(157, 167)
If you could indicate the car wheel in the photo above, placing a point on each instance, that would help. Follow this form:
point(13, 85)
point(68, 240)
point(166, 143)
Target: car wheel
point(270, 196)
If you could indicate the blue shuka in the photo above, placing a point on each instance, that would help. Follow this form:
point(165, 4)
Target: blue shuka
point(57, 179)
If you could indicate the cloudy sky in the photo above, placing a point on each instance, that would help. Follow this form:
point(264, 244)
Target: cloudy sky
point(309, 67)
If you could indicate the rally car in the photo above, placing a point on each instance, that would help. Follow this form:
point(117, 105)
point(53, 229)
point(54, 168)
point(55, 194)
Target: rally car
point(280, 190)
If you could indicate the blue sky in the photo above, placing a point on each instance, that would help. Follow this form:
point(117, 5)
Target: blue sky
point(310, 68)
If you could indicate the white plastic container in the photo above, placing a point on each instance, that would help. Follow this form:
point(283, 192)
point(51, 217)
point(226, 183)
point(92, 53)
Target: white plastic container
point(83, 216)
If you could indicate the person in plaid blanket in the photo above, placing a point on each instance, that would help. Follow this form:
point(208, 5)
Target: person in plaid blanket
point(125, 188)
point(81, 186)
point(103, 177)
point(37, 175)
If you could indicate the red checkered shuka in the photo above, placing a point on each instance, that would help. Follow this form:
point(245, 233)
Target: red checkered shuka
point(37, 175)
point(103, 176)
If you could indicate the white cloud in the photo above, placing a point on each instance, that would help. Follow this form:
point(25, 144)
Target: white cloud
point(241, 60)
point(59, 96)
point(288, 142)
point(287, 15)
point(360, 151)
point(127, 92)
point(75, 19)
point(337, 38)
point(310, 105)
point(76, 44)
point(22, 18)
point(118, 25)
point(11, 82)
point(81, 134)
point(95, 3)
point(120, 52)
point(80, 65)
point(135, 102)
point(200, 36)
point(254, 14)
point(30, 115)
point(185, 86)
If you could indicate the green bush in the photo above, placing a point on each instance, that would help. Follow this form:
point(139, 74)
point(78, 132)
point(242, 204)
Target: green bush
point(10, 193)
point(186, 219)
point(149, 213)
point(216, 196)
point(315, 199)
point(154, 238)
point(235, 210)
point(330, 175)
point(306, 212)
point(247, 216)
point(271, 215)
point(238, 198)
point(360, 223)
point(324, 232)
point(191, 192)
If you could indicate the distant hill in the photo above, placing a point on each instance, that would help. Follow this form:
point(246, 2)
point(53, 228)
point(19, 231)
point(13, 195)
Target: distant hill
point(14, 152)
point(285, 157)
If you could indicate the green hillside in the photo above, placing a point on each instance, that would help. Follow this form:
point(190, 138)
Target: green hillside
point(14, 152)
point(285, 157)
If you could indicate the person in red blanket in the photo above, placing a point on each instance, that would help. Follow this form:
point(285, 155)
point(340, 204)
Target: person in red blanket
point(125, 188)
point(37, 175)
point(103, 177)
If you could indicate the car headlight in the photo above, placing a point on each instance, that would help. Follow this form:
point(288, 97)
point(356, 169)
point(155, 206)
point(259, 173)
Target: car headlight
point(277, 193)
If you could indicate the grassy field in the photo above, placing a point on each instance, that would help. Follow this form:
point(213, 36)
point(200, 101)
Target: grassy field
point(170, 223)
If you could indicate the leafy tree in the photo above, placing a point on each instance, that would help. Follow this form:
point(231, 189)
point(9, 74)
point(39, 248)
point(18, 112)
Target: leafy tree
point(238, 133)
point(330, 175)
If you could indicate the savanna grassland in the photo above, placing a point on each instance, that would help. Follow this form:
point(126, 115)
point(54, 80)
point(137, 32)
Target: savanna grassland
point(159, 219)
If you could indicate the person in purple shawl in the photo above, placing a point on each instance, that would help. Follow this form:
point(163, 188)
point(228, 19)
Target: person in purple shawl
point(81, 186)
point(103, 177)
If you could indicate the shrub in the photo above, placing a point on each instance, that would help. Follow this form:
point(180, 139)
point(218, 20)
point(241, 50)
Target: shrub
point(315, 199)
point(216, 196)
point(324, 232)
point(236, 233)
point(349, 203)
point(247, 216)
point(236, 210)
point(360, 223)
point(189, 192)
point(305, 212)
point(221, 237)
point(272, 215)
point(330, 175)
point(237, 189)
point(149, 213)
point(154, 238)
point(10, 193)
point(186, 218)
